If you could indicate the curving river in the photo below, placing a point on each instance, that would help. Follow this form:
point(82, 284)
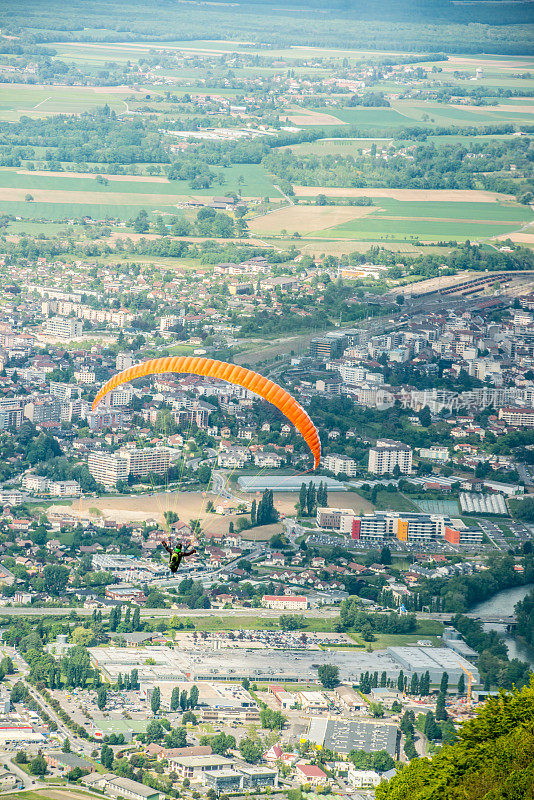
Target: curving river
point(503, 604)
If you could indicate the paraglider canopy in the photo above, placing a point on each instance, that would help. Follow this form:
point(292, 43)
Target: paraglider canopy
point(232, 373)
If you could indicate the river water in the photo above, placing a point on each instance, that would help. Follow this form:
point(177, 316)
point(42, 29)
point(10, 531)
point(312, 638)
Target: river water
point(502, 604)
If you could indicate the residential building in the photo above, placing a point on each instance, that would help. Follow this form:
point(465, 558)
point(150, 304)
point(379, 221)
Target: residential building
point(42, 410)
point(285, 602)
point(63, 327)
point(339, 463)
point(146, 460)
point(108, 468)
point(388, 454)
point(517, 417)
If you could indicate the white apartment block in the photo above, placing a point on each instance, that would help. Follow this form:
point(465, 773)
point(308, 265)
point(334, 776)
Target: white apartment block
point(63, 326)
point(37, 484)
point(267, 460)
point(434, 453)
point(339, 463)
point(121, 396)
point(124, 361)
point(85, 376)
point(387, 454)
point(146, 460)
point(518, 417)
point(108, 468)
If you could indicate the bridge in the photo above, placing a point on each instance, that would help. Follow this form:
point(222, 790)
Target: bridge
point(491, 619)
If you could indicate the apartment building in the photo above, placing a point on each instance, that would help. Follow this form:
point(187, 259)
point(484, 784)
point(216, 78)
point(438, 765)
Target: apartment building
point(124, 361)
point(146, 460)
point(387, 454)
point(339, 463)
point(517, 417)
point(108, 468)
point(43, 410)
point(64, 327)
point(11, 413)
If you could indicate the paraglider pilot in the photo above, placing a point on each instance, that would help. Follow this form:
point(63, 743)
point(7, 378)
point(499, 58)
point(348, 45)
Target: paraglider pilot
point(177, 554)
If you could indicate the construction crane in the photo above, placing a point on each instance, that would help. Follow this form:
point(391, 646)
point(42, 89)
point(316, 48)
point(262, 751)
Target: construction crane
point(470, 680)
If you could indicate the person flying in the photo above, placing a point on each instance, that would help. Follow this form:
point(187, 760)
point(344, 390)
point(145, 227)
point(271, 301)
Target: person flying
point(177, 553)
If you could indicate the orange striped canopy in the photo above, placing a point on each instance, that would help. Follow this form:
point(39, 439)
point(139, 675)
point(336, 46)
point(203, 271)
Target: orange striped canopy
point(232, 373)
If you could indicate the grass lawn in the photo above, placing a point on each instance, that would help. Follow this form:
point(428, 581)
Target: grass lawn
point(384, 640)
point(254, 623)
point(393, 501)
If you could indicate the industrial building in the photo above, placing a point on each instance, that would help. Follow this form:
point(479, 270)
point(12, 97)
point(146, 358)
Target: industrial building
point(435, 660)
point(287, 483)
point(211, 662)
point(342, 736)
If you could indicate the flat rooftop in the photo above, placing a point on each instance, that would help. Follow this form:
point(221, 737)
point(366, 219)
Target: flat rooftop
point(286, 483)
point(227, 663)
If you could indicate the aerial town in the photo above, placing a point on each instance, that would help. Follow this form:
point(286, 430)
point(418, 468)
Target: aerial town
point(266, 401)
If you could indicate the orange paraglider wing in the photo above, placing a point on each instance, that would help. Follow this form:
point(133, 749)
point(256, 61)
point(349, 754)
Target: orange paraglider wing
point(232, 373)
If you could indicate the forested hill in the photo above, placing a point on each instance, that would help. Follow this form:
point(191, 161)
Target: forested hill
point(493, 758)
point(419, 25)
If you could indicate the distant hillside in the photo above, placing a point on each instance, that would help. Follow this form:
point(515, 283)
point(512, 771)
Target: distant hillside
point(493, 758)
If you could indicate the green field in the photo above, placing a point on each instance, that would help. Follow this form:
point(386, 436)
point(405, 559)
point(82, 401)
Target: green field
point(367, 117)
point(433, 220)
point(18, 100)
point(345, 147)
point(249, 179)
point(67, 211)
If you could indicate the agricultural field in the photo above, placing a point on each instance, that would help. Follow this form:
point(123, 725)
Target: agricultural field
point(17, 100)
point(433, 221)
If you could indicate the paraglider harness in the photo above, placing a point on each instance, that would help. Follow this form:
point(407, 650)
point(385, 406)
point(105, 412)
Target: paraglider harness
point(177, 554)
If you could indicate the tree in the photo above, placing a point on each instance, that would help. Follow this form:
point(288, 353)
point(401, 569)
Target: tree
point(328, 675)
point(136, 619)
point(302, 498)
point(310, 498)
point(101, 698)
point(175, 698)
point(385, 555)
point(414, 684)
point(106, 756)
point(251, 749)
point(193, 697)
point(425, 417)
point(444, 684)
point(424, 684)
point(55, 579)
point(432, 729)
point(66, 746)
point(461, 684)
point(28, 198)
point(155, 700)
point(183, 700)
point(400, 681)
point(38, 765)
point(253, 513)
point(441, 713)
